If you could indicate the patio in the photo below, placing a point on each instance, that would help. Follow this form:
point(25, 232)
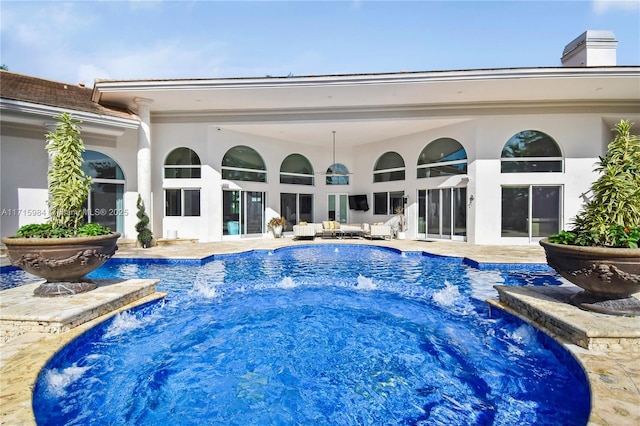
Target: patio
point(607, 347)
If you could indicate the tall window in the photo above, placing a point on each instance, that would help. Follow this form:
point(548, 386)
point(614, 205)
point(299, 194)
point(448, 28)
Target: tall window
point(387, 202)
point(531, 210)
point(296, 170)
point(243, 163)
point(182, 163)
point(442, 157)
point(296, 208)
point(389, 167)
point(531, 151)
point(337, 174)
point(182, 202)
point(105, 204)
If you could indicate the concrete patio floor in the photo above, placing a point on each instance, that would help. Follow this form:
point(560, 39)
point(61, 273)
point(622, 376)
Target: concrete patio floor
point(612, 364)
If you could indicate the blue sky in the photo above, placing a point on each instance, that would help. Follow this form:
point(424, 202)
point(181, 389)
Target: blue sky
point(81, 41)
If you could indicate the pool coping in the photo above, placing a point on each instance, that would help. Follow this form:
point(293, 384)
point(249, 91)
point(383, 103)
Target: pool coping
point(613, 378)
point(612, 368)
point(24, 357)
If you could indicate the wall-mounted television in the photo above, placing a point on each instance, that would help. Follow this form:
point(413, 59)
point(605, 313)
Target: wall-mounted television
point(358, 202)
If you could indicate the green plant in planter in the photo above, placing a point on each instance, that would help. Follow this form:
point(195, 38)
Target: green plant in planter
point(144, 233)
point(612, 217)
point(277, 221)
point(68, 186)
point(402, 220)
point(67, 183)
point(63, 250)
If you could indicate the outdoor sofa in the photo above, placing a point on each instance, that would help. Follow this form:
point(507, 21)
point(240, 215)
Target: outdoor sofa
point(334, 229)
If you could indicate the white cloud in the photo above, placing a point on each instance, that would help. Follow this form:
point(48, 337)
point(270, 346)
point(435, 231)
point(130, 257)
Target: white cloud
point(88, 73)
point(601, 7)
point(166, 59)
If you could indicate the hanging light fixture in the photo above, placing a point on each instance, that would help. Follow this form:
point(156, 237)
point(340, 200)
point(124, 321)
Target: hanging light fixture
point(331, 171)
point(334, 149)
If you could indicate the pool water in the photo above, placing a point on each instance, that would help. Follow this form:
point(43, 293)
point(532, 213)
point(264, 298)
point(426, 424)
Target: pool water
point(323, 335)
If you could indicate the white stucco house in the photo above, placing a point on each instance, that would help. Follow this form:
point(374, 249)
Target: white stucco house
point(488, 156)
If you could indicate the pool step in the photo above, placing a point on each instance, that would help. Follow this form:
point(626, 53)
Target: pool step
point(549, 309)
point(22, 312)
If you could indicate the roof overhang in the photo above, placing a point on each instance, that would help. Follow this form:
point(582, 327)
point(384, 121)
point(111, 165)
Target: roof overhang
point(31, 114)
point(368, 107)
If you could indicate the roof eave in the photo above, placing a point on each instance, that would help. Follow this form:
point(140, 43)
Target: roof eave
point(39, 114)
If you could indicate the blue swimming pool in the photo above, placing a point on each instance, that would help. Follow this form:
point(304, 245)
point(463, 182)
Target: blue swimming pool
point(331, 334)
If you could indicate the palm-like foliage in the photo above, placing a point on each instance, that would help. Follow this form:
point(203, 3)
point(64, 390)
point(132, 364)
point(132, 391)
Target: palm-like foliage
point(616, 193)
point(68, 184)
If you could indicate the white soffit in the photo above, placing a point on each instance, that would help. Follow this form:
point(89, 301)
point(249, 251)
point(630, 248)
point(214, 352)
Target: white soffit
point(436, 88)
point(348, 133)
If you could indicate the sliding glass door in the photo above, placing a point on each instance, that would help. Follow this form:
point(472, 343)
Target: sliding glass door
point(531, 211)
point(442, 213)
point(243, 212)
point(296, 208)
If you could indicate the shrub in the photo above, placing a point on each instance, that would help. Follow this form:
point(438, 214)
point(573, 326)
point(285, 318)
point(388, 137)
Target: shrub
point(144, 234)
point(612, 217)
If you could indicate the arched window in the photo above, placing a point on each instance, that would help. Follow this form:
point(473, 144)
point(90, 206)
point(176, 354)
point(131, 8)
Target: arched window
point(182, 163)
point(105, 204)
point(296, 170)
point(531, 151)
point(442, 157)
point(337, 174)
point(243, 163)
point(389, 167)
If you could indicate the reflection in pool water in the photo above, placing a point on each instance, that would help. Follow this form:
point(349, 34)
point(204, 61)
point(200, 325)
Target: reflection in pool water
point(336, 335)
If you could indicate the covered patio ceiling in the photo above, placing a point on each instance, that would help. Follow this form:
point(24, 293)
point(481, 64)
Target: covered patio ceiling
point(348, 133)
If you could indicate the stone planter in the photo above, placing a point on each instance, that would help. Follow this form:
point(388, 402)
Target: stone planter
point(63, 262)
point(609, 276)
point(277, 231)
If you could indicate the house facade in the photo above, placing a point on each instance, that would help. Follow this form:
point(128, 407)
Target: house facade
point(496, 156)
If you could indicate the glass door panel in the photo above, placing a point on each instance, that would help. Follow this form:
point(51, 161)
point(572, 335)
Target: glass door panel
point(332, 207)
point(254, 217)
point(230, 212)
point(288, 209)
point(338, 207)
point(342, 212)
point(433, 212)
point(306, 208)
point(104, 205)
point(445, 216)
point(515, 211)
point(460, 212)
point(545, 211)
point(422, 213)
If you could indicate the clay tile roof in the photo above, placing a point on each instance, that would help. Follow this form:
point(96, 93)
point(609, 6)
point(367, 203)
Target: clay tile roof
point(25, 88)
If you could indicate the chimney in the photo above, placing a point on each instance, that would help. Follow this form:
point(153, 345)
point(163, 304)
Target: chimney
point(593, 48)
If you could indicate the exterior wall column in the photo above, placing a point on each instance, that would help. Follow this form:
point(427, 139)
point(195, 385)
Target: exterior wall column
point(144, 154)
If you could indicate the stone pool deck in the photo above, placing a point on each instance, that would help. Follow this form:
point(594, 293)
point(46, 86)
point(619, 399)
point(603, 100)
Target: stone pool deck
point(608, 348)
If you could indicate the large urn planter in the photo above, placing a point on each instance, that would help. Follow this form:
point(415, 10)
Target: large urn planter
point(63, 262)
point(608, 276)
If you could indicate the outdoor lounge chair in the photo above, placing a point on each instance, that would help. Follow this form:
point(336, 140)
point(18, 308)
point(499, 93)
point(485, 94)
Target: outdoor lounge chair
point(377, 231)
point(304, 231)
